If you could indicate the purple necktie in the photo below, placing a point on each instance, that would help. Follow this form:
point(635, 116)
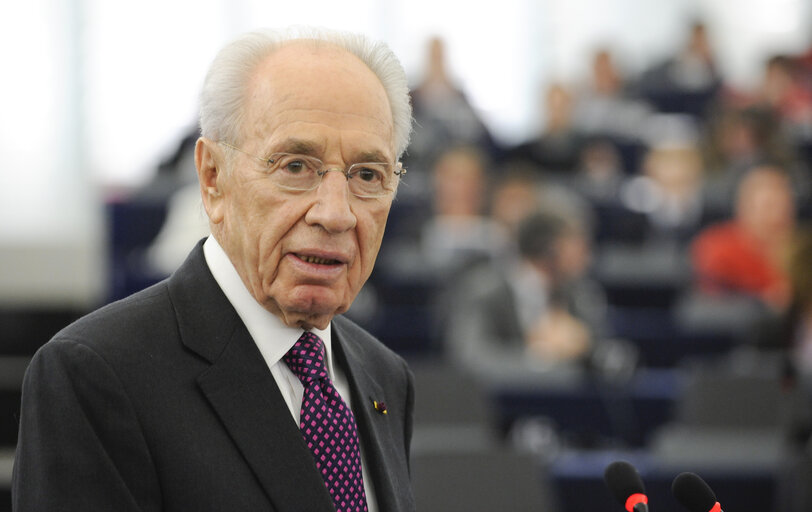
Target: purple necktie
point(328, 426)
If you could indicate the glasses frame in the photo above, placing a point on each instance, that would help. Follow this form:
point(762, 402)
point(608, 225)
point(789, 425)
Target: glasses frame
point(323, 169)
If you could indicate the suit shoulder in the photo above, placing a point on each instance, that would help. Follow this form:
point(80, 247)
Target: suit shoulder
point(139, 316)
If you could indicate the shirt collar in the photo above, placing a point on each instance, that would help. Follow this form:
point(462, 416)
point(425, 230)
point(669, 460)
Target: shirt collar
point(272, 337)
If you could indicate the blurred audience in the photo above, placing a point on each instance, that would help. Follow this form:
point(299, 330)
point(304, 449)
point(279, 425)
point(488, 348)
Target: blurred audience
point(534, 312)
point(688, 81)
point(673, 173)
point(459, 230)
point(737, 139)
point(600, 172)
point(443, 118)
point(785, 91)
point(555, 150)
point(782, 91)
point(744, 255)
point(515, 194)
point(604, 106)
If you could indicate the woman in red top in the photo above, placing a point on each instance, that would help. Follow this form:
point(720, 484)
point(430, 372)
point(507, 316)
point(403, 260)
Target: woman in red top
point(745, 254)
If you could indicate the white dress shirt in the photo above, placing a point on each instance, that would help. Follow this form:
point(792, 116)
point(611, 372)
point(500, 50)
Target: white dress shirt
point(274, 339)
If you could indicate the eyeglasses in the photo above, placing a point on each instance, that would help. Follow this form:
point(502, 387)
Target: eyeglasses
point(301, 173)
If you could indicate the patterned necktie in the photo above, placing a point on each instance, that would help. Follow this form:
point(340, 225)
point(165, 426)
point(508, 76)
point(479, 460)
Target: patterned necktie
point(328, 426)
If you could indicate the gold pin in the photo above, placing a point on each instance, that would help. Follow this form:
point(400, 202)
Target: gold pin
point(380, 407)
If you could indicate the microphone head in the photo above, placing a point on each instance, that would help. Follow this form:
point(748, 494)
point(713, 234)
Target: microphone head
point(623, 480)
point(693, 493)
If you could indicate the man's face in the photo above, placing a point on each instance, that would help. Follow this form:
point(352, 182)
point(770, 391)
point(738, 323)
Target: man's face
point(303, 255)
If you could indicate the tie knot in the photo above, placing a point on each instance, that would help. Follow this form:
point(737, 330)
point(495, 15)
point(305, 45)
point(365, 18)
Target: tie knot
point(306, 358)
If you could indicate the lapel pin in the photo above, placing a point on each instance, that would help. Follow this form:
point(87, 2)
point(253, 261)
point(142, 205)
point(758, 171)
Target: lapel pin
point(380, 407)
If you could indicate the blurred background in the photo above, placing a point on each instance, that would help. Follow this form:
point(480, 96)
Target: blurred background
point(600, 251)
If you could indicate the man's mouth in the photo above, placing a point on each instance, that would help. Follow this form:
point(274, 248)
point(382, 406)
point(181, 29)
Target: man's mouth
point(318, 261)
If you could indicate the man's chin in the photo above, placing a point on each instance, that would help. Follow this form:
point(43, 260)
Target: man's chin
point(308, 320)
point(311, 310)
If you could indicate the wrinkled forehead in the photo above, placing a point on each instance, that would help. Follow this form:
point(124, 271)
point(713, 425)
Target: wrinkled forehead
point(307, 81)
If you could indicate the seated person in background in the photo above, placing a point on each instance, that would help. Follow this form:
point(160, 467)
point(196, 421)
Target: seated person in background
point(790, 330)
point(787, 95)
point(661, 207)
point(600, 172)
point(515, 195)
point(459, 231)
point(675, 173)
point(743, 255)
point(686, 82)
point(537, 311)
point(603, 106)
point(784, 91)
point(554, 152)
point(738, 138)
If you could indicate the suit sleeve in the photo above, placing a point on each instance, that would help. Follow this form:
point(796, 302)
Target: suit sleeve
point(80, 446)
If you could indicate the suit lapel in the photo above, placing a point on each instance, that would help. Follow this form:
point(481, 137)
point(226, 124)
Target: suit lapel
point(375, 435)
point(243, 393)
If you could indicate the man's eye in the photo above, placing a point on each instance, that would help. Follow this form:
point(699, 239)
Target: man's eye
point(295, 166)
point(367, 174)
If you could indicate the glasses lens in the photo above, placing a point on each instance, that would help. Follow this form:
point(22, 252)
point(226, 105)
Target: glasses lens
point(370, 179)
point(295, 172)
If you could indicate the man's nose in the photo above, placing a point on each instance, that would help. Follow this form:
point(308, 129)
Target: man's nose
point(331, 209)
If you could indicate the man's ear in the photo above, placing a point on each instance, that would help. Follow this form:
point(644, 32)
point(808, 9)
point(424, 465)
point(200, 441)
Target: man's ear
point(210, 174)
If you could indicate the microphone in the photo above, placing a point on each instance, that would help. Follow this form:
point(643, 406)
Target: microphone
point(694, 494)
point(624, 481)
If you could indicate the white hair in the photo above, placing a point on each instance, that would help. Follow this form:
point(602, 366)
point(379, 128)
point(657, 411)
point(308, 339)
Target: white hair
point(223, 94)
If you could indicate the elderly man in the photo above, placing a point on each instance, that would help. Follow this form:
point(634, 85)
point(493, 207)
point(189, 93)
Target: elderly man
point(236, 384)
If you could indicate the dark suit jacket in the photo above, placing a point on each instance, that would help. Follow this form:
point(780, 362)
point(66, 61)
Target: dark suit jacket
point(162, 401)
